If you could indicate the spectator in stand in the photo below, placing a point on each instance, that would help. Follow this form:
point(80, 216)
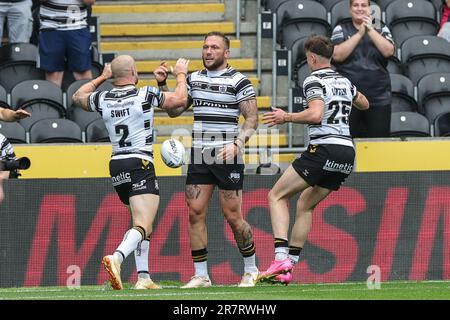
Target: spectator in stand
point(20, 21)
point(64, 38)
point(361, 54)
point(444, 30)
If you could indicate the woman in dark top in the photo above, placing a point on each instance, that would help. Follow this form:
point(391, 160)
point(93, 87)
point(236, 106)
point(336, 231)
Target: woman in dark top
point(361, 54)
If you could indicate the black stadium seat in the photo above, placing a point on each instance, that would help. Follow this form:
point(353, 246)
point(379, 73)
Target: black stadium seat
point(97, 132)
point(300, 18)
point(433, 92)
point(76, 113)
point(55, 131)
point(407, 18)
point(384, 3)
point(35, 90)
point(442, 125)
point(402, 94)
point(41, 109)
point(395, 66)
point(272, 5)
point(13, 131)
point(302, 72)
point(74, 86)
point(14, 72)
point(3, 97)
point(329, 4)
point(298, 52)
point(437, 4)
point(423, 55)
point(409, 124)
point(18, 52)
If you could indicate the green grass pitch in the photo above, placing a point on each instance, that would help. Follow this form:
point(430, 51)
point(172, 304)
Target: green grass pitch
point(404, 290)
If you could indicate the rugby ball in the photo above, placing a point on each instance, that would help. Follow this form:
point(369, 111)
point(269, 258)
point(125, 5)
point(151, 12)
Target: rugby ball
point(172, 153)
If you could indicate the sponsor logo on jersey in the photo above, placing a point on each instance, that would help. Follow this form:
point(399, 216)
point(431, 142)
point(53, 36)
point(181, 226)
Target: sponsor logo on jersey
point(123, 177)
point(345, 168)
point(202, 103)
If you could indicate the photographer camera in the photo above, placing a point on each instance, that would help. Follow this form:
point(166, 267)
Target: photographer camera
point(9, 163)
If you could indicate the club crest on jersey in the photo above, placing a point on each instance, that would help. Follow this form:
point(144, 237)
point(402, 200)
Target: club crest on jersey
point(222, 89)
point(235, 176)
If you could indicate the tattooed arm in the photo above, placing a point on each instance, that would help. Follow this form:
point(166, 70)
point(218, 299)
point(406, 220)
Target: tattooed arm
point(250, 112)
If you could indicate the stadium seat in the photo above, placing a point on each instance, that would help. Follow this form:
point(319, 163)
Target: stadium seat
point(55, 131)
point(272, 5)
point(18, 52)
point(433, 92)
point(423, 55)
point(82, 117)
point(409, 124)
point(41, 109)
point(340, 12)
point(300, 18)
point(411, 18)
point(35, 90)
point(74, 86)
point(395, 66)
point(97, 132)
point(437, 4)
point(298, 52)
point(14, 72)
point(68, 78)
point(402, 94)
point(329, 4)
point(302, 72)
point(383, 4)
point(76, 113)
point(13, 131)
point(3, 97)
point(442, 125)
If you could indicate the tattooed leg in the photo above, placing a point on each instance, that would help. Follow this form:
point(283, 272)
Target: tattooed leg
point(197, 199)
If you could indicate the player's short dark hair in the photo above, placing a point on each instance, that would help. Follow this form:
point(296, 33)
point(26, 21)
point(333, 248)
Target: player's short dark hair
point(351, 2)
point(319, 45)
point(219, 34)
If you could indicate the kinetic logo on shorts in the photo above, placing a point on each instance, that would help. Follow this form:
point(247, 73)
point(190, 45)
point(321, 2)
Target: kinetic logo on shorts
point(123, 177)
point(338, 167)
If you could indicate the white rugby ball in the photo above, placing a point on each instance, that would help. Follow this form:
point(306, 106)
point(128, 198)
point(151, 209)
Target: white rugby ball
point(172, 153)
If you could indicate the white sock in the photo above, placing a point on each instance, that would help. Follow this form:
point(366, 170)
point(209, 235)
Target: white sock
point(294, 259)
point(250, 264)
point(129, 243)
point(281, 253)
point(201, 268)
point(141, 258)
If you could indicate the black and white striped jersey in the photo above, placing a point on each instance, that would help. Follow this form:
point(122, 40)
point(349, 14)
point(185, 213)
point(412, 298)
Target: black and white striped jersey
point(63, 14)
point(6, 149)
point(215, 97)
point(338, 93)
point(128, 116)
